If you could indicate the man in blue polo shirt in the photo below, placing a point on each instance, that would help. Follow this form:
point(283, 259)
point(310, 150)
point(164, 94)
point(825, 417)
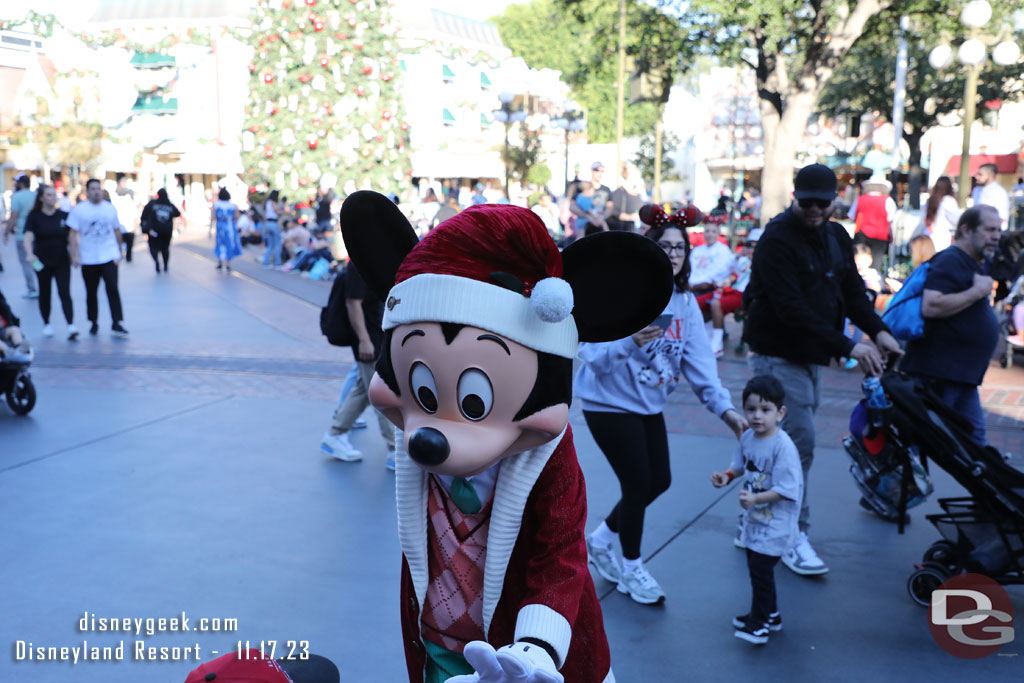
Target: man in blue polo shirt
point(961, 330)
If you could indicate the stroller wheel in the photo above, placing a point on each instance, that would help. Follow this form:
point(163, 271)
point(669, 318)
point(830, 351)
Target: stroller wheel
point(22, 396)
point(924, 581)
point(943, 553)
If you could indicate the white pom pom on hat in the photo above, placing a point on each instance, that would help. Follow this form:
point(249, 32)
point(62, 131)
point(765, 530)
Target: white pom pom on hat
point(552, 300)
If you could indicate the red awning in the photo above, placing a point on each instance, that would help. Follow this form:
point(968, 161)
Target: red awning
point(1006, 163)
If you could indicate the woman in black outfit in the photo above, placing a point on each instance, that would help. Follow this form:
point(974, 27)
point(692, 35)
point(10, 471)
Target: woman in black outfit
point(47, 239)
point(158, 222)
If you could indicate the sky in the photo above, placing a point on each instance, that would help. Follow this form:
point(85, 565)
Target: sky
point(481, 10)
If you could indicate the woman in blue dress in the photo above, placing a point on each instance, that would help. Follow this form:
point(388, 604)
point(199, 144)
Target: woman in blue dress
point(225, 215)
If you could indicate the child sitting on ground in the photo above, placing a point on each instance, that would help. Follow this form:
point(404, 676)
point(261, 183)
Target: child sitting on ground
point(770, 498)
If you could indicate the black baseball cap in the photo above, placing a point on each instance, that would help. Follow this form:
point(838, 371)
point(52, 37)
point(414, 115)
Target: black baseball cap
point(816, 181)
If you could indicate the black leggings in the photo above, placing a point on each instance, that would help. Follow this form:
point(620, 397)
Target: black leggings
point(637, 449)
point(129, 239)
point(62, 274)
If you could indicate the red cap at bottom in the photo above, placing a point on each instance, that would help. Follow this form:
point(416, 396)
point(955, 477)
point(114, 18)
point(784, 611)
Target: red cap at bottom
point(249, 667)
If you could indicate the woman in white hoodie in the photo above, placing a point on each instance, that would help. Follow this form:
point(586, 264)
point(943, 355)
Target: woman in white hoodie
point(624, 385)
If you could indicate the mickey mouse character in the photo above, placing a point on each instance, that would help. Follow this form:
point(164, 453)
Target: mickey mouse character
point(482, 320)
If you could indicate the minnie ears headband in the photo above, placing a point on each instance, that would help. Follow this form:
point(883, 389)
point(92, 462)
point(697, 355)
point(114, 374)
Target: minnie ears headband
point(686, 217)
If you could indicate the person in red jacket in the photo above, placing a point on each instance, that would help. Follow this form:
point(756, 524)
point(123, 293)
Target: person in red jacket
point(482, 320)
point(872, 213)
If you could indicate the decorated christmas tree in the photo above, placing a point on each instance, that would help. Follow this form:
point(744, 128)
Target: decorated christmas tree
point(324, 97)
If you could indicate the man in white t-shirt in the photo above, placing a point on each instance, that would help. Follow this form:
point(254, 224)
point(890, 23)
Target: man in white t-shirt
point(96, 246)
point(710, 269)
point(992, 193)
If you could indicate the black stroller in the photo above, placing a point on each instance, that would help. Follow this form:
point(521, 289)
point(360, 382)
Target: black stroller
point(982, 533)
point(16, 380)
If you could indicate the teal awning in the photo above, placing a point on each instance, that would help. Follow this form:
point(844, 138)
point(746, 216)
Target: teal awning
point(447, 116)
point(446, 72)
point(484, 121)
point(484, 81)
point(151, 60)
point(147, 104)
point(402, 64)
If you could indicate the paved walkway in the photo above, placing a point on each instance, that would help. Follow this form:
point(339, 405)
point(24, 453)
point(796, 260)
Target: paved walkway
point(178, 471)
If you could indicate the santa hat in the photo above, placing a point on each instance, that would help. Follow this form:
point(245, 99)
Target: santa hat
point(493, 267)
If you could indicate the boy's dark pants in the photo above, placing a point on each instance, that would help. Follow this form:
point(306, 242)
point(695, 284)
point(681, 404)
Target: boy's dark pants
point(762, 581)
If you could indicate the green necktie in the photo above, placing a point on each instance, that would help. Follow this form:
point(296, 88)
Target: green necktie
point(464, 496)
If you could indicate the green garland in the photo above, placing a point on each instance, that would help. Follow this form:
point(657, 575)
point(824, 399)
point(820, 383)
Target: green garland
point(44, 24)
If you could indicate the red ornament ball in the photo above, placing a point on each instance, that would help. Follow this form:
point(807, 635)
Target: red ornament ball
point(358, 45)
point(405, 125)
point(386, 115)
point(287, 4)
point(318, 26)
point(303, 181)
point(273, 37)
point(367, 69)
point(324, 61)
point(305, 78)
point(310, 3)
point(316, 123)
point(268, 77)
point(312, 142)
point(386, 77)
point(252, 67)
point(379, 138)
point(360, 91)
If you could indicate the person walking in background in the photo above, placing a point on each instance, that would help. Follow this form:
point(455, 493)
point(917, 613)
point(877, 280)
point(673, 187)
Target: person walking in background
point(365, 314)
point(803, 285)
point(224, 216)
point(323, 210)
point(96, 245)
point(961, 330)
point(158, 222)
point(941, 213)
point(47, 249)
point(128, 213)
point(872, 212)
point(21, 203)
point(272, 211)
point(992, 193)
point(626, 200)
point(624, 386)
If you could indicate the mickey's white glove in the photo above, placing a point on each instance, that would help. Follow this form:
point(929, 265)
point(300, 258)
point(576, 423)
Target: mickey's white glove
point(518, 663)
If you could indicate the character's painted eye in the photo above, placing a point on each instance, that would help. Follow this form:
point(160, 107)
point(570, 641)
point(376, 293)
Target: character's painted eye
point(475, 394)
point(423, 388)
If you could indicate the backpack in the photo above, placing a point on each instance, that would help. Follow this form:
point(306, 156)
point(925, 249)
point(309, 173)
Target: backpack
point(334, 323)
point(903, 314)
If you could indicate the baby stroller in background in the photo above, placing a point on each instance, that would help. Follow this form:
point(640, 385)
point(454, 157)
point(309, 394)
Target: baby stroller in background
point(981, 533)
point(15, 379)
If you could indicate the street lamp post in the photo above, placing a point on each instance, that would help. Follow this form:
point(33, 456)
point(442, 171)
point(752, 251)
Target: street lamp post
point(507, 115)
point(972, 54)
point(570, 120)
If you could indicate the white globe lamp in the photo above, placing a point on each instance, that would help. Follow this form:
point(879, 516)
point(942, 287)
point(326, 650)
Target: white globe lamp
point(976, 13)
point(971, 52)
point(1006, 53)
point(941, 57)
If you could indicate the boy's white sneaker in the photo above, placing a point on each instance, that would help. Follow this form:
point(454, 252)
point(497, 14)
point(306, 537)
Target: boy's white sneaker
point(338, 446)
point(605, 561)
point(47, 330)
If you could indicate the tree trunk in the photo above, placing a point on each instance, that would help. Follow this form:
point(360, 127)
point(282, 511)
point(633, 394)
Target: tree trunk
point(657, 157)
point(915, 172)
point(780, 153)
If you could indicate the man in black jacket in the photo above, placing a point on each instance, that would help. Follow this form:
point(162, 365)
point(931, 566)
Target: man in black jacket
point(803, 285)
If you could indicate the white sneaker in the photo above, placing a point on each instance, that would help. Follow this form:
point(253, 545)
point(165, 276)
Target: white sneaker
point(605, 561)
point(717, 343)
point(47, 330)
point(72, 332)
point(641, 586)
point(802, 559)
point(338, 446)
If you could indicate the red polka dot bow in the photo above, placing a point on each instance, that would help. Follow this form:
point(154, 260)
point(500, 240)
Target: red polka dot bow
point(654, 216)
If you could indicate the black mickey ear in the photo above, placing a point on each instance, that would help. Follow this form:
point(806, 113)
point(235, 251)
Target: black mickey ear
point(377, 236)
point(620, 282)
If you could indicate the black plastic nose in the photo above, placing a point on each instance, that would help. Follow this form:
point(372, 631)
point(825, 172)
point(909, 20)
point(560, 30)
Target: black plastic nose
point(428, 447)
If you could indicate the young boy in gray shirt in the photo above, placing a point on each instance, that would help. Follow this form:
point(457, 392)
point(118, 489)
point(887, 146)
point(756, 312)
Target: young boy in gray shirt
point(770, 499)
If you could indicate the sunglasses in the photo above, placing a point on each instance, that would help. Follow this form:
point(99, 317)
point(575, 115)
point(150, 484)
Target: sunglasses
point(808, 203)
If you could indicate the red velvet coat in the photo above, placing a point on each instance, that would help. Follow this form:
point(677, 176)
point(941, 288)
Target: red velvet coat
point(547, 566)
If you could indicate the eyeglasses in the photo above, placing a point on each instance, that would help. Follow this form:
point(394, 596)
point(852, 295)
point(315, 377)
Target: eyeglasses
point(808, 203)
point(672, 248)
